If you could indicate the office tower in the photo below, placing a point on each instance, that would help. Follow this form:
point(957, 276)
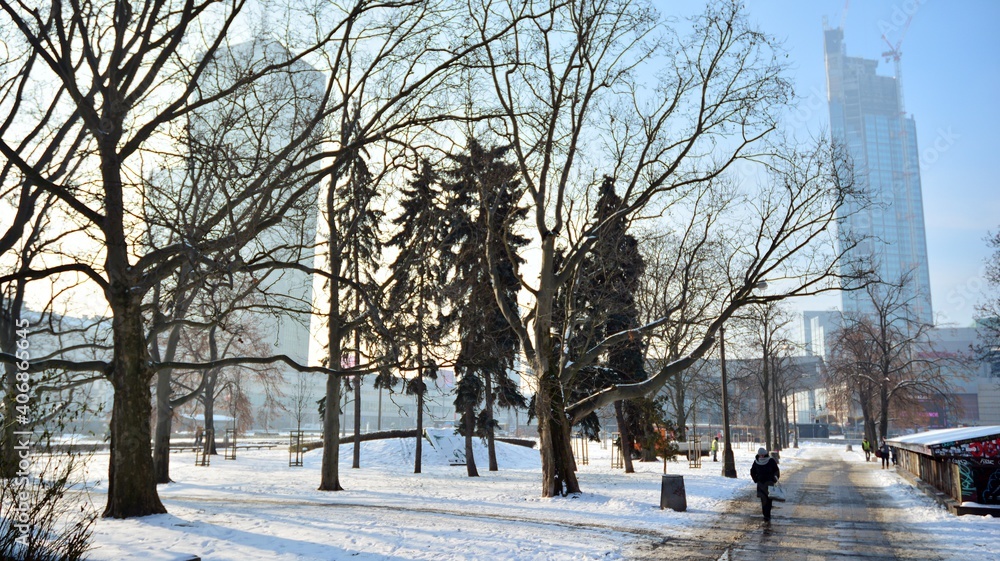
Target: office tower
point(868, 117)
point(816, 329)
point(248, 137)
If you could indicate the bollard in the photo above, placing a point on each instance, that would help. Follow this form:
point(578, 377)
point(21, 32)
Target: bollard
point(672, 493)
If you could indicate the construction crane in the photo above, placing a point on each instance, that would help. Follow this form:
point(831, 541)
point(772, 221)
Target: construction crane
point(894, 54)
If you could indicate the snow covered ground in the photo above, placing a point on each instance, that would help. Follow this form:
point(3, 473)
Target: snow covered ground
point(257, 507)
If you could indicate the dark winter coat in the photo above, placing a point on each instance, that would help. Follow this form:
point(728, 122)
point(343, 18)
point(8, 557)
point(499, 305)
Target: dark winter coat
point(764, 470)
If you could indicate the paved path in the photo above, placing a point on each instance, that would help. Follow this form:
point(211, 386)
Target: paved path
point(834, 511)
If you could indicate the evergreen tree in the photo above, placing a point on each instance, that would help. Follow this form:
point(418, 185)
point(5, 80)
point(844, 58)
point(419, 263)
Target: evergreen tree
point(352, 247)
point(607, 291)
point(483, 216)
point(415, 292)
point(359, 227)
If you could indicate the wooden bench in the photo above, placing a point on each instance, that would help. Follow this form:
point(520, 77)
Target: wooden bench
point(220, 447)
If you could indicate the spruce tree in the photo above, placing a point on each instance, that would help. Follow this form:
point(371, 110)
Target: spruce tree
point(359, 223)
point(416, 292)
point(607, 290)
point(483, 218)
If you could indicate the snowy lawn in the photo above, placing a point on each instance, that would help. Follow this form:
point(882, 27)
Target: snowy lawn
point(257, 507)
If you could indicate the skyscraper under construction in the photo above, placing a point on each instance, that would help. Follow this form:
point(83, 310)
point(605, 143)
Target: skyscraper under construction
point(867, 115)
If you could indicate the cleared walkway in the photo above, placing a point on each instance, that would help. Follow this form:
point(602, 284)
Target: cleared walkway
point(834, 511)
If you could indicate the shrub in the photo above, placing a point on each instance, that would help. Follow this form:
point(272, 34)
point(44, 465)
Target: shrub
point(42, 518)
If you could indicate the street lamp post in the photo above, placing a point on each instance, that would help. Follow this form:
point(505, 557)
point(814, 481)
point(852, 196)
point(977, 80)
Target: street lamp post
point(728, 462)
point(795, 421)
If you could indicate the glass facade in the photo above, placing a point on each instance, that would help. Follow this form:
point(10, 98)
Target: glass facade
point(866, 114)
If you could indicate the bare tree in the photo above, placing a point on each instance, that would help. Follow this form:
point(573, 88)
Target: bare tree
point(569, 89)
point(684, 275)
point(884, 361)
point(229, 335)
point(300, 399)
point(989, 310)
point(126, 79)
point(39, 335)
point(765, 330)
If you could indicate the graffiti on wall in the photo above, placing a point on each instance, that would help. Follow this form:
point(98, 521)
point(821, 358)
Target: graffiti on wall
point(992, 493)
point(980, 483)
point(967, 481)
point(988, 450)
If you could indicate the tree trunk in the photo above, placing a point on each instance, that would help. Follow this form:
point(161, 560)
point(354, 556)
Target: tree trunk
point(490, 443)
point(208, 399)
point(330, 469)
point(555, 445)
point(768, 432)
point(418, 449)
point(8, 455)
point(883, 419)
point(470, 428)
point(164, 425)
point(680, 414)
point(867, 416)
point(625, 436)
point(357, 362)
point(131, 481)
point(10, 324)
point(776, 401)
point(357, 423)
point(164, 404)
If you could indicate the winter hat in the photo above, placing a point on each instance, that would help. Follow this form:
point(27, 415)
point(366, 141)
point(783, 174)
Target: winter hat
point(762, 451)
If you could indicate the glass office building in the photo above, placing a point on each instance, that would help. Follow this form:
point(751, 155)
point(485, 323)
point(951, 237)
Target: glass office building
point(867, 115)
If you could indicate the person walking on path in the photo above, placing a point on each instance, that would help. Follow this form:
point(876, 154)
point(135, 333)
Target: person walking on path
point(764, 471)
point(867, 447)
point(883, 452)
point(715, 449)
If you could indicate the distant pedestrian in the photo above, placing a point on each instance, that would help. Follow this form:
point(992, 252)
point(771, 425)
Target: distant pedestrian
point(867, 447)
point(892, 452)
point(764, 471)
point(715, 449)
point(197, 436)
point(883, 452)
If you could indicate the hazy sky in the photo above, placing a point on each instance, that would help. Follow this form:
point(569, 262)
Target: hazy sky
point(951, 80)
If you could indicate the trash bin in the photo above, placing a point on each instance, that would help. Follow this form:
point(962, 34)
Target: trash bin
point(672, 493)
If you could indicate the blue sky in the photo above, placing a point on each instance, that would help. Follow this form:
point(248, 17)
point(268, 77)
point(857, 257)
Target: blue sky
point(951, 78)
